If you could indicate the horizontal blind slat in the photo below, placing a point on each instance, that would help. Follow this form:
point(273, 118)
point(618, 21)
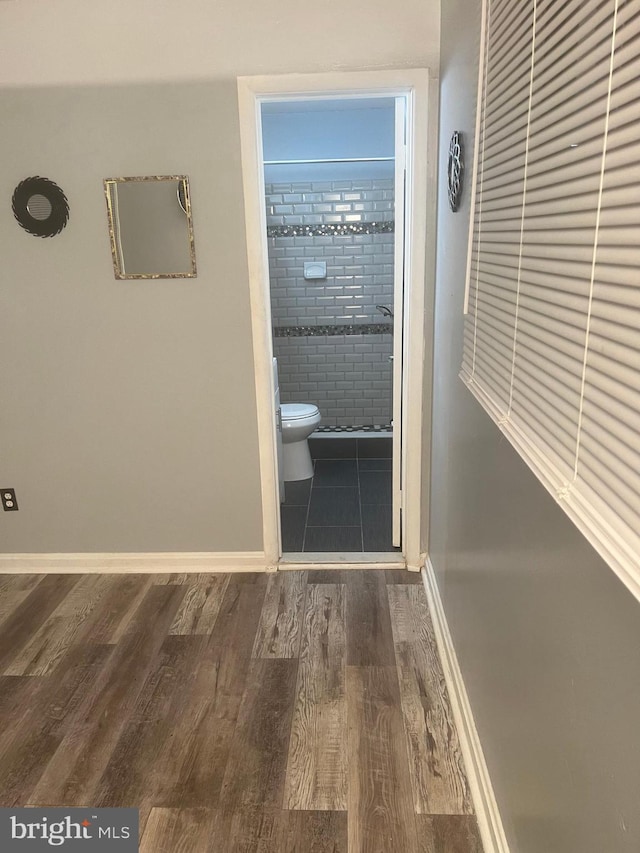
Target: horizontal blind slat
point(616, 388)
point(596, 469)
point(619, 277)
point(614, 338)
point(602, 409)
point(618, 509)
point(534, 320)
point(605, 521)
point(530, 417)
point(557, 392)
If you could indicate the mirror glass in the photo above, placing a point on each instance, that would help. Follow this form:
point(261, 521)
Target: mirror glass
point(39, 207)
point(150, 227)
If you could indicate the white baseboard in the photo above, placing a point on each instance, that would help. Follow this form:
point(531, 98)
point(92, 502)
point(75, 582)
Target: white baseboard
point(487, 813)
point(296, 561)
point(121, 563)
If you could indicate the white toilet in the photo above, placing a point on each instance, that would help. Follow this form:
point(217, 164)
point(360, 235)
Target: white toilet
point(298, 422)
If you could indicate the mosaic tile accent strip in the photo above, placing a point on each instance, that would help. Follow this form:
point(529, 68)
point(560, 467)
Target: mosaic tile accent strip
point(359, 265)
point(331, 331)
point(363, 428)
point(341, 229)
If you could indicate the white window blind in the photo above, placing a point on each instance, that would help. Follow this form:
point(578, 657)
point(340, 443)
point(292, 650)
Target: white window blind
point(552, 333)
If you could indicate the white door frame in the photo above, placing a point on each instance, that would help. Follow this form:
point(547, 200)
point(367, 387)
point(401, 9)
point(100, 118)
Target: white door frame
point(420, 89)
point(402, 116)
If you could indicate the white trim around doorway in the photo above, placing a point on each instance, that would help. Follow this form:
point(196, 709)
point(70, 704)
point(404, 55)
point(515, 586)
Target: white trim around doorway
point(419, 87)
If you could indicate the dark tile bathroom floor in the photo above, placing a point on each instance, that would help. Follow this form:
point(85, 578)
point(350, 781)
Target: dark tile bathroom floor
point(346, 506)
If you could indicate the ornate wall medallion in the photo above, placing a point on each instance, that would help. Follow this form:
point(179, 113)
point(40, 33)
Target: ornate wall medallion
point(40, 207)
point(455, 169)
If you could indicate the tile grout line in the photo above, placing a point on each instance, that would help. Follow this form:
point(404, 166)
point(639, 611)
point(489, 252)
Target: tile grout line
point(359, 498)
point(336, 486)
point(306, 519)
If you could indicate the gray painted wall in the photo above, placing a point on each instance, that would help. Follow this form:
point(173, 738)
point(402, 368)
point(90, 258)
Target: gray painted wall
point(128, 417)
point(75, 42)
point(547, 637)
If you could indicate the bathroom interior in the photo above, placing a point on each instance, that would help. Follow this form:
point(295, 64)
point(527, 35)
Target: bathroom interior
point(329, 193)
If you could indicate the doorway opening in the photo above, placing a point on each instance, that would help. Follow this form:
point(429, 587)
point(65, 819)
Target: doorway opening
point(330, 190)
point(336, 240)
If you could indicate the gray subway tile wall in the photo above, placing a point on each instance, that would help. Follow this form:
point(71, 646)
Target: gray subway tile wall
point(348, 377)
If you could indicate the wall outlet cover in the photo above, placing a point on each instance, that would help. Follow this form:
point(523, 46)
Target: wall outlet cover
point(315, 269)
point(9, 502)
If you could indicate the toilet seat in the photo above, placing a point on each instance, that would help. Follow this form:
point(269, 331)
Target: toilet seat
point(298, 411)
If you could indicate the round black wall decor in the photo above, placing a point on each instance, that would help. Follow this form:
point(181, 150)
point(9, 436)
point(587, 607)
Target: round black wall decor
point(40, 207)
point(455, 168)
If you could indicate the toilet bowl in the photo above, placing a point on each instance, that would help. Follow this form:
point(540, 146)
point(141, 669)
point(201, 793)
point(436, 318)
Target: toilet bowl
point(298, 422)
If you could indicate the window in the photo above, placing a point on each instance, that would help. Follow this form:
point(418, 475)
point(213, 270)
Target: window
point(552, 333)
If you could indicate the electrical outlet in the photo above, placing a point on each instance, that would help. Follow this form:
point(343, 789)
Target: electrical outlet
point(9, 502)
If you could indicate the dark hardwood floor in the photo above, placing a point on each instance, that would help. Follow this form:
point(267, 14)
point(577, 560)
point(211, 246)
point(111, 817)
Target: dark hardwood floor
point(297, 712)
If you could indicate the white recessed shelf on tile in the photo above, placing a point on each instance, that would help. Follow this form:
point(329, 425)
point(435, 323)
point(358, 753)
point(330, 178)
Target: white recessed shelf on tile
point(315, 269)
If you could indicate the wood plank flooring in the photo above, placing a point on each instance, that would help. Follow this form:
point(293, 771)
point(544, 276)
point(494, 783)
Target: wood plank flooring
point(296, 712)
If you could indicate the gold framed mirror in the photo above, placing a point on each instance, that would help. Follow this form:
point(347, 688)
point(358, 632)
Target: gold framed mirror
point(151, 227)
